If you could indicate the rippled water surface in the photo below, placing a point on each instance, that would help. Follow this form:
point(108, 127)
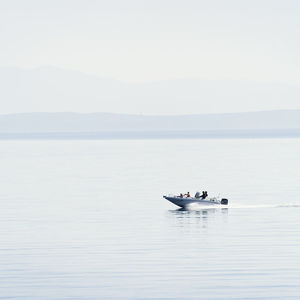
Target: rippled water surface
point(86, 220)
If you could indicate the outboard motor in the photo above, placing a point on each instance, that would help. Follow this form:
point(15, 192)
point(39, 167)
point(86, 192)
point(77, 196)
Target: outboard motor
point(224, 201)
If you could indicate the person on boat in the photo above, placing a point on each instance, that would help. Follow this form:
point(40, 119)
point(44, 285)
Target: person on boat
point(181, 196)
point(188, 194)
point(204, 195)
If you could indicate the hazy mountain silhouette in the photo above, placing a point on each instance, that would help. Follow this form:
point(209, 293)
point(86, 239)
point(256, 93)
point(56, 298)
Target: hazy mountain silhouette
point(107, 125)
point(52, 89)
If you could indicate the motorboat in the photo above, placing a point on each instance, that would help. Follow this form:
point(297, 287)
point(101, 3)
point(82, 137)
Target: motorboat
point(184, 201)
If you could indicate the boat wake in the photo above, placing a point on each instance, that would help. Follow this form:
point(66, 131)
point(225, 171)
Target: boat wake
point(278, 205)
point(196, 206)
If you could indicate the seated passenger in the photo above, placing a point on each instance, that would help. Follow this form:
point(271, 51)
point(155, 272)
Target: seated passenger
point(188, 194)
point(181, 196)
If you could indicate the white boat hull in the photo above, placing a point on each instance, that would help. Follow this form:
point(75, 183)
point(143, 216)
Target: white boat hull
point(185, 202)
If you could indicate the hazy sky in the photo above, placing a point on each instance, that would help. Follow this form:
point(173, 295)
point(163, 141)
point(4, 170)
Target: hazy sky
point(150, 57)
point(152, 40)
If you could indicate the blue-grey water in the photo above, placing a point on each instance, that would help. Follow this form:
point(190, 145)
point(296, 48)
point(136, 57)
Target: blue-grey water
point(86, 220)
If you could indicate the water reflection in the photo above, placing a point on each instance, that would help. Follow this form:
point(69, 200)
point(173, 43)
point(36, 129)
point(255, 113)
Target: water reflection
point(203, 217)
point(199, 213)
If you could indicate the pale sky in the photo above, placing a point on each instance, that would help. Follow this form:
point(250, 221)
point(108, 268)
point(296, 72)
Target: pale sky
point(136, 41)
point(228, 55)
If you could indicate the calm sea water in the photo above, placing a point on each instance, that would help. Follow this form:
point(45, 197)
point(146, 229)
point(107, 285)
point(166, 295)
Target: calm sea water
point(86, 220)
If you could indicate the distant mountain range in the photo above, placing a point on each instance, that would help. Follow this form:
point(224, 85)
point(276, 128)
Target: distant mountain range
point(108, 125)
point(53, 89)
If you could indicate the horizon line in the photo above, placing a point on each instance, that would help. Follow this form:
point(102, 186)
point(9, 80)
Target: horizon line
point(148, 115)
